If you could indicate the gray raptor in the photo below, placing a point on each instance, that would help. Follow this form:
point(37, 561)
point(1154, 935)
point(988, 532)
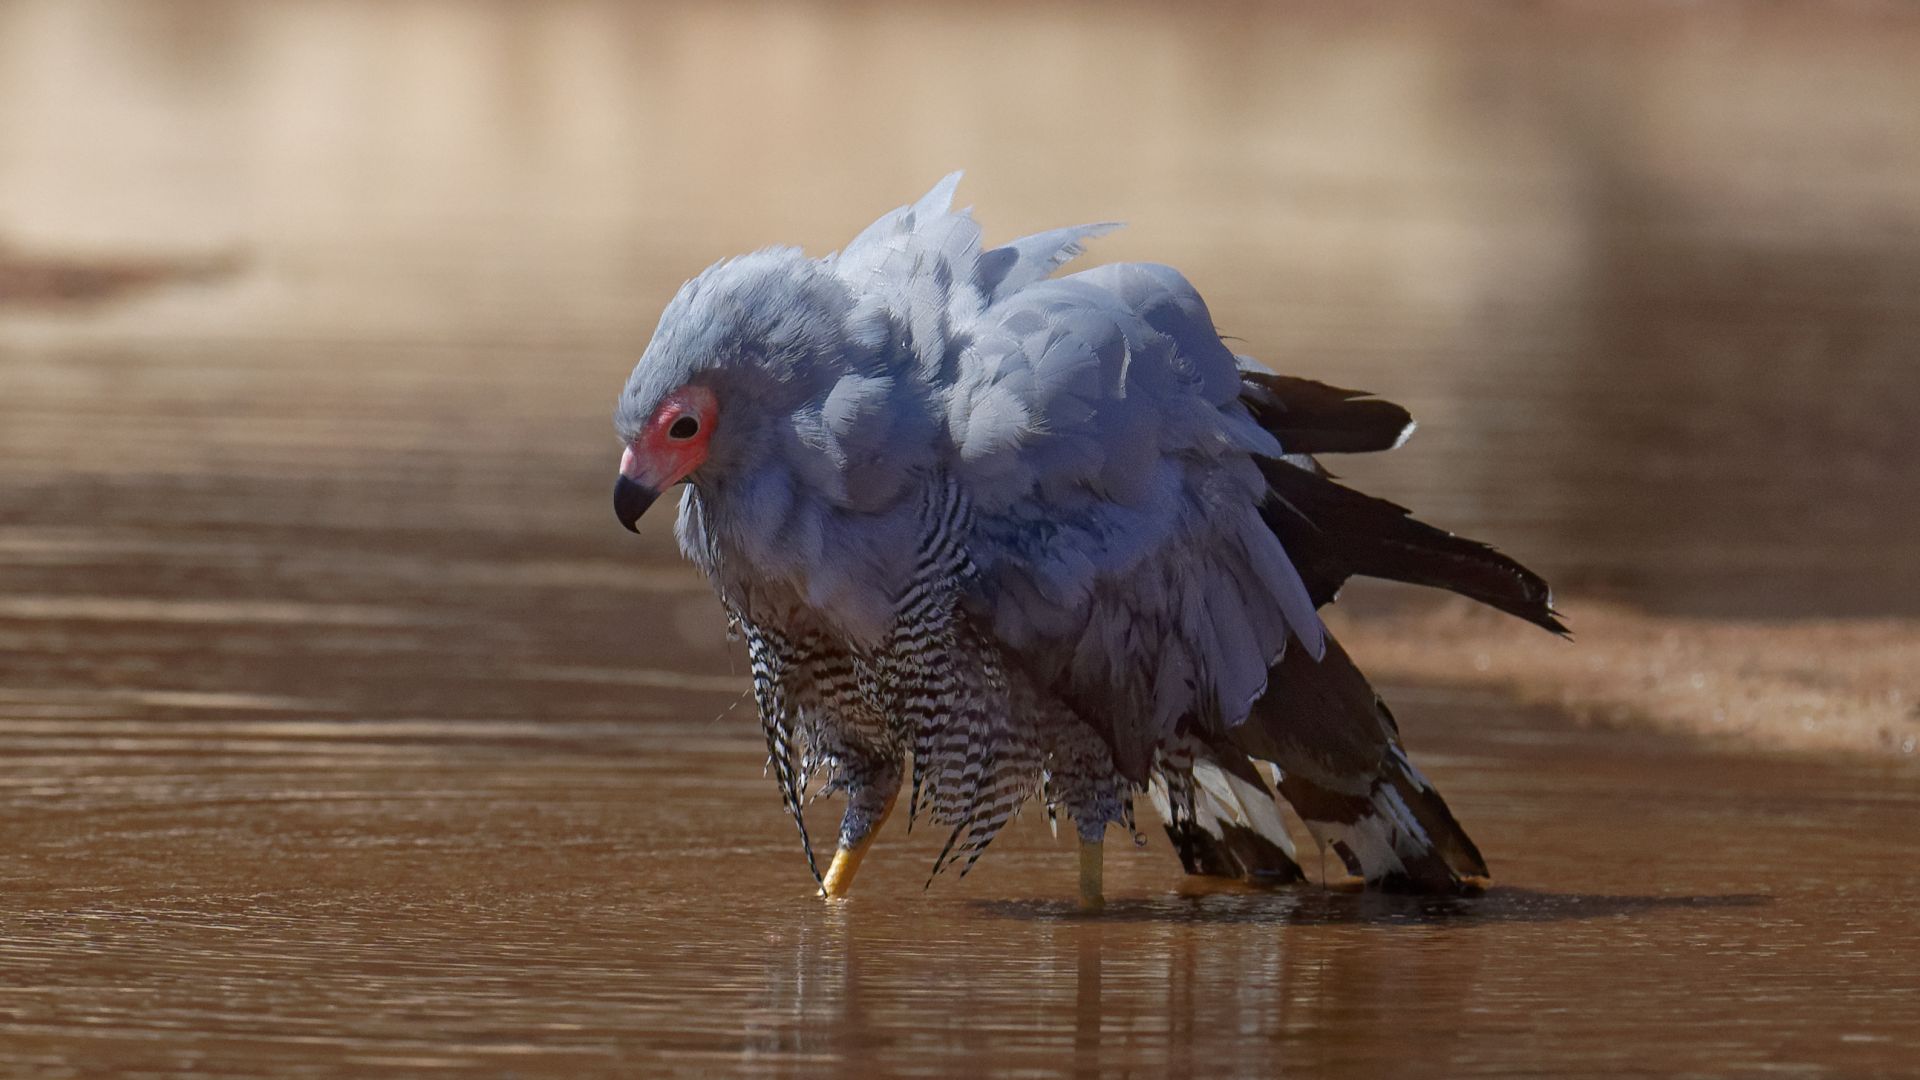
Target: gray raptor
point(991, 534)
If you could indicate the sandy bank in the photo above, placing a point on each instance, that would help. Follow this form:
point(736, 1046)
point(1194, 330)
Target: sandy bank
point(1850, 685)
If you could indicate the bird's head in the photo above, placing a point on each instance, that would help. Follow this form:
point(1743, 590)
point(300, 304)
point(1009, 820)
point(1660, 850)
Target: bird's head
point(737, 351)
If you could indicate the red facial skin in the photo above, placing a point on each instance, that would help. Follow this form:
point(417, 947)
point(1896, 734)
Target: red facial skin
point(658, 460)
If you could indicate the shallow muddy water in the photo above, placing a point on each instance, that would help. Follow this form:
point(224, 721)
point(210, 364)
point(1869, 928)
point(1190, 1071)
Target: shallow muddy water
point(571, 897)
point(342, 730)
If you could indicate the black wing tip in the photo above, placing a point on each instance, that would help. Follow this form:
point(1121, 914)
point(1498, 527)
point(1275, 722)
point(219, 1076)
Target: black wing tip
point(1552, 621)
point(1540, 613)
point(1333, 533)
point(1535, 602)
point(1310, 417)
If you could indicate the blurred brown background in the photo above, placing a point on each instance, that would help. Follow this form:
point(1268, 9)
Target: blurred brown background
point(313, 313)
point(1645, 272)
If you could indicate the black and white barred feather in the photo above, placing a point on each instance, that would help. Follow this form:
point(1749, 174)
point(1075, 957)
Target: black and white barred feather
point(976, 758)
point(769, 657)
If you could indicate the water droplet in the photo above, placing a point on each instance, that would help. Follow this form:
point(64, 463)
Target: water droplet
point(1906, 747)
point(1482, 662)
point(1699, 681)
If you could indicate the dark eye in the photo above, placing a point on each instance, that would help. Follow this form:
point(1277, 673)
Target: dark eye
point(684, 428)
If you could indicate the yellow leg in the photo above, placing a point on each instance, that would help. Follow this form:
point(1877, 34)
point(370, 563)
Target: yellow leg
point(1091, 895)
point(846, 860)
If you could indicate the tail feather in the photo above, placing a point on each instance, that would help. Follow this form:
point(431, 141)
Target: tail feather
point(1345, 773)
point(1224, 824)
point(1400, 835)
point(1335, 744)
point(1435, 820)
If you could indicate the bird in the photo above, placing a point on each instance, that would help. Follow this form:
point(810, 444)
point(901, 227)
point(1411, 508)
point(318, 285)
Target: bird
point(995, 535)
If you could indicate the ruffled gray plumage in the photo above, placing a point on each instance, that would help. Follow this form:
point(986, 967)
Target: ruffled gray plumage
point(1029, 516)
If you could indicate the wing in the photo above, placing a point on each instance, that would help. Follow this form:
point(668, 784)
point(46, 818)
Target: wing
point(1098, 427)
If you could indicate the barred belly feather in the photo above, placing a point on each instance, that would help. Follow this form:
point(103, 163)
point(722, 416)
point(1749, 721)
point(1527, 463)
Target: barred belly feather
point(975, 759)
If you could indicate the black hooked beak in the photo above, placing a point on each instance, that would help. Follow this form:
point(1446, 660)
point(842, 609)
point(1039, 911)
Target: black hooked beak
point(631, 499)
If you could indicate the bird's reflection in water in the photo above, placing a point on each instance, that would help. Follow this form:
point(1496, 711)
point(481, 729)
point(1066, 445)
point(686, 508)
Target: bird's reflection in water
point(1311, 906)
point(1293, 978)
point(1089, 946)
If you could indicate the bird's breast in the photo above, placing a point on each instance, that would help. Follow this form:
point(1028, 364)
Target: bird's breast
point(824, 567)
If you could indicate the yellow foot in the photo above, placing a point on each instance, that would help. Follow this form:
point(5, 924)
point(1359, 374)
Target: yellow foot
point(1091, 896)
point(846, 861)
